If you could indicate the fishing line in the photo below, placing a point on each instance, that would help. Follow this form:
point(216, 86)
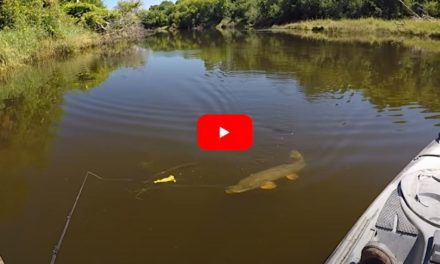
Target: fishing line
point(69, 216)
point(107, 179)
point(176, 186)
point(181, 166)
point(57, 247)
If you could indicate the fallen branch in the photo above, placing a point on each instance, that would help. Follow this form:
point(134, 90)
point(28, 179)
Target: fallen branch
point(410, 10)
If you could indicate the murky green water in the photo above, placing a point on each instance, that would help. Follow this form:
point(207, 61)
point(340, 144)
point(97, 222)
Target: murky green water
point(357, 112)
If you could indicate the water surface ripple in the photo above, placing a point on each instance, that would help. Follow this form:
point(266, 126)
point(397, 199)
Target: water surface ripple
point(357, 112)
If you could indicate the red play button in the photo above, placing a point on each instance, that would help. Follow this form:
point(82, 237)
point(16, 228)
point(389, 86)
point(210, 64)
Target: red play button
point(224, 132)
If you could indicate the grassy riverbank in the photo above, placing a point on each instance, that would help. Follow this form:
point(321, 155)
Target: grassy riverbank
point(36, 29)
point(417, 34)
point(30, 44)
point(408, 27)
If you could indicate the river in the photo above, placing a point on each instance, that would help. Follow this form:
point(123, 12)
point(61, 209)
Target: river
point(357, 112)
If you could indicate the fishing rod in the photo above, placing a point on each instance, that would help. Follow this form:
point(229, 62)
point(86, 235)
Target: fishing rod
point(72, 210)
point(66, 226)
point(57, 247)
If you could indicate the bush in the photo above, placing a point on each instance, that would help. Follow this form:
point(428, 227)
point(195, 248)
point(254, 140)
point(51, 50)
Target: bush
point(51, 21)
point(91, 16)
point(97, 3)
point(14, 13)
point(432, 8)
point(95, 20)
point(78, 10)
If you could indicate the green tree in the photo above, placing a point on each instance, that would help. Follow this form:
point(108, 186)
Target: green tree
point(244, 12)
point(128, 6)
point(158, 15)
point(97, 3)
point(195, 13)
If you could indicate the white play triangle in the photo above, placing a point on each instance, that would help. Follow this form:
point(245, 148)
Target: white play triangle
point(222, 132)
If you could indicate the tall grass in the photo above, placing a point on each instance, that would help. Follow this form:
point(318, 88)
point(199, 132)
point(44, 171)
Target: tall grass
point(416, 34)
point(24, 45)
point(410, 27)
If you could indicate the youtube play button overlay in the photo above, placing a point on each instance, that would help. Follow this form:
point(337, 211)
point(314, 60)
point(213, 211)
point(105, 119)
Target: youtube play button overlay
point(224, 132)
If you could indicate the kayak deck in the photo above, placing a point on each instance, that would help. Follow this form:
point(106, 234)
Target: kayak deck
point(403, 224)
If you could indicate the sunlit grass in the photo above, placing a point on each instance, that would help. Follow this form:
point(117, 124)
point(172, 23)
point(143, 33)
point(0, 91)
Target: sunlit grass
point(418, 34)
point(414, 27)
point(28, 44)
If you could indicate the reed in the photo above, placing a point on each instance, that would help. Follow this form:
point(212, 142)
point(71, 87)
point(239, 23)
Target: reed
point(409, 27)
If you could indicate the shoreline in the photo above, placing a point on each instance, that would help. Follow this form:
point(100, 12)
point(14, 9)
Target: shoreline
point(423, 35)
point(429, 28)
point(29, 48)
point(21, 53)
point(20, 47)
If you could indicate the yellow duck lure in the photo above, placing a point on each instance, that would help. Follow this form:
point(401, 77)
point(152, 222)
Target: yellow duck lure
point(166, 179)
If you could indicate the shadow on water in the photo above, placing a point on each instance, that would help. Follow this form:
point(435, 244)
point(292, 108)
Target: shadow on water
point(388, 75)
point(31, 106)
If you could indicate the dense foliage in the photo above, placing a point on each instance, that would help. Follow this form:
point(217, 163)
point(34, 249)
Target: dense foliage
point(49, 14)
point(38, 13)
point(248, 13)
point(93, 15)
point(32, 29)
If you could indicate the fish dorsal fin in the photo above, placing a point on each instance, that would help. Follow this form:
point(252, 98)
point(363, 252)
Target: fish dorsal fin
point(292, 176)
point(268, 185)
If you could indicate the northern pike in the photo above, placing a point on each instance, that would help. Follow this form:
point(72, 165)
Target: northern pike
point(266, 179)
